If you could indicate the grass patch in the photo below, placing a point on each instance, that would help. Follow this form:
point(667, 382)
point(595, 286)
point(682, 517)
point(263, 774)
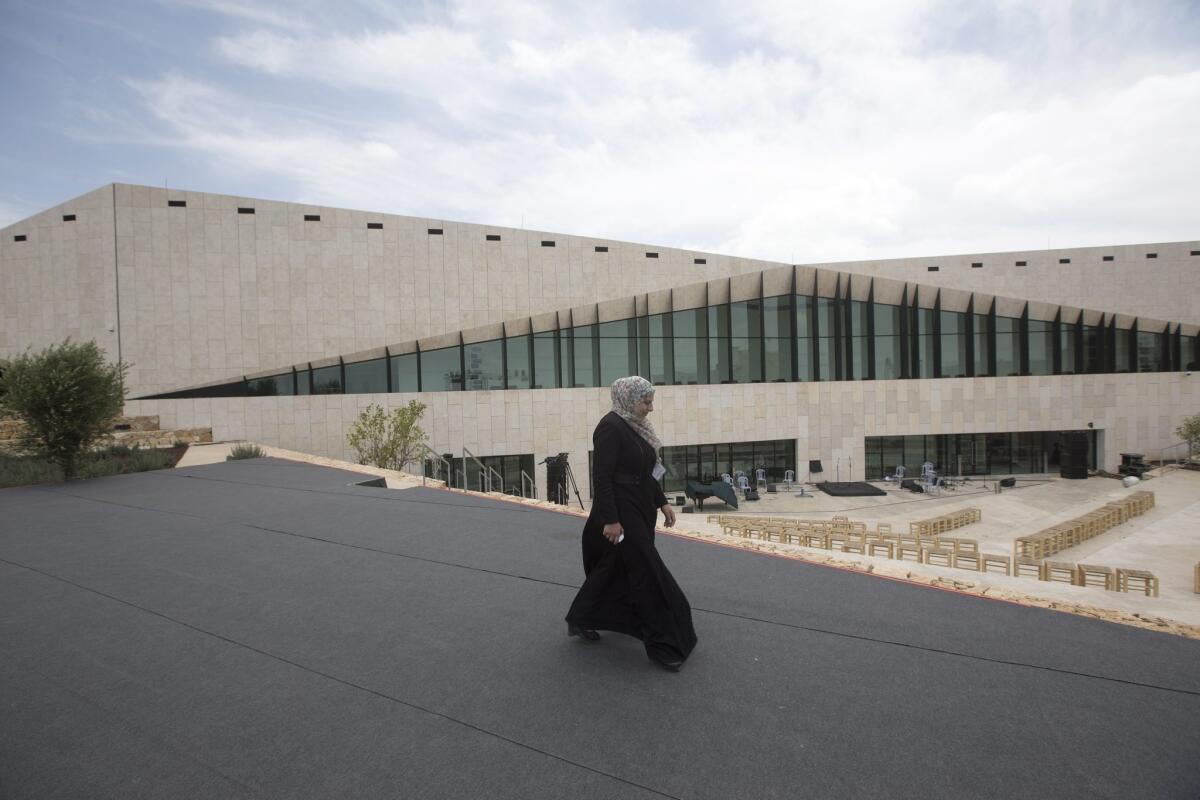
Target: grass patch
point(245, 450)
point(17, 470)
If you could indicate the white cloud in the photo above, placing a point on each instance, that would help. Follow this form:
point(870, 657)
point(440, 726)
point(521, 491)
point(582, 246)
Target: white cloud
point(766, 129)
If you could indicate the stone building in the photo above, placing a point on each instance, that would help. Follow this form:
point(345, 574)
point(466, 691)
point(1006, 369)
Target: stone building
point(278, 323)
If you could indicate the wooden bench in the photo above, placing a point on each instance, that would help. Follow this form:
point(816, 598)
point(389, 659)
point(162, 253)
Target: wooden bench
point(989, 560)
point(1092, 575)
point(1060, 571)
point(1024, 565)
point(1139, 579)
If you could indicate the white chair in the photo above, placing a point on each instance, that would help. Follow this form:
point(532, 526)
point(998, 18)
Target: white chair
point(789, 477)
point(760, 476)
point(725, 476)
point(743, 482)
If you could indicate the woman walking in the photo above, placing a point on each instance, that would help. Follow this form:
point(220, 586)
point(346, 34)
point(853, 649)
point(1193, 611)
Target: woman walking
point(628, 588)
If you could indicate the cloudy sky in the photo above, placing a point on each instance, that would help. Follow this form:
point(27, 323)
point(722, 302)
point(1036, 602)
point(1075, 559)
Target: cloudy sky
point(791, 131)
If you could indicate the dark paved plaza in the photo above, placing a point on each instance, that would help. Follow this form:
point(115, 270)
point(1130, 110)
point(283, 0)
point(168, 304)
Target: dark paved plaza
point(266, 629)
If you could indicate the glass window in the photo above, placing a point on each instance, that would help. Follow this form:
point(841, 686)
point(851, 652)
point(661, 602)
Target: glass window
point(804, 340)
point(585, 356)
point(1124, 339)
point(1066, 344)
point(304, 381)
point(1008, 353)
point(1189, 352)
point(954, 344)
point(689, 331)
point(659, 347)
point(826, 350)
point(983, 363)
point(618, 350)
point(1150, 349)
point(1041, 347)
point(366, 377)
point(888, 352)
point(327, 380)
point(404, 373)
point(517, 355)
point(746, 333)
point(272, 386)
point(858, 340)
point(485, 365)
point(441, 370)
point(1093, 348)
point(924, 331)
point(779, 339)
point(545, 361)
point(719, 368)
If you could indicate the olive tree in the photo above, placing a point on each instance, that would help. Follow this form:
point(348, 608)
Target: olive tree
point(67, 396)
point(1189, 431)
point(387, 440)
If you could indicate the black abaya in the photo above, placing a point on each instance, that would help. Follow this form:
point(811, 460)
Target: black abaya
point(628, 588)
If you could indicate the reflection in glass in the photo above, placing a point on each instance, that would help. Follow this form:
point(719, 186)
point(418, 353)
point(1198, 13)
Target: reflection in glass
point(517, 357)
point(954, 344)
point(689, 330)
point(1093, 348)
point(404, 373)
point(858, 340)
point(441, 370)
point(586, 368)
point(485, 365)
point(779, 338)
point(804, 338)
point(327, 380)
point(746, 333)
point(888, 348)
point(924, 330)
point(983, 361)
point(366, 377)
point(826, 334)
point(719, 368)
point(1149, 347)
point(1041, 347)
point(1066, 339)
point(1008, 353)
point(1124, 340)
point(618, 350)
point(545, 361)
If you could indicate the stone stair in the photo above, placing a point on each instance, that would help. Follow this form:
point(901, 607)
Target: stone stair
point(128, 431)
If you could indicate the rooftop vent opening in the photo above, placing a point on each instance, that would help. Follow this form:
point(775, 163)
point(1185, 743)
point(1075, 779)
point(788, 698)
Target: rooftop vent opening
point(20, 237)
point(976, 265)
point(177, 204)
point(699, 260)
point(1108, 258)
point(374, 226)
point(435, 231)
point(1022, 263)
point(68, 217)
point(932, 269)
point(1196, 252)
point(651, 255)
point(600, 248)
point(547, 243)
point(312, 217)
point(245, 210)
point(1064, 261)
point(492, 237)
point(1151, 255)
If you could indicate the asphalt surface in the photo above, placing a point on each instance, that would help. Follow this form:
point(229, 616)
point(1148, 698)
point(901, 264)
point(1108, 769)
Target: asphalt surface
point(262, 629)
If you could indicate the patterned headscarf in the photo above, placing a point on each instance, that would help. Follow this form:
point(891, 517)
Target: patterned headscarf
point(625, 393)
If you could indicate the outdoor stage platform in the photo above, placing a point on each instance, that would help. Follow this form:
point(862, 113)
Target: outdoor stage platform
point(263, 629)
point(849, 489)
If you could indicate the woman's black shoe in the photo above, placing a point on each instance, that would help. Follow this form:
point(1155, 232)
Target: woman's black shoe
point(672, 665)
point(584, 633)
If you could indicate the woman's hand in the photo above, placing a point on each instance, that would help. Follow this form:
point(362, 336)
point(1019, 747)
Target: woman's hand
point(669, 515)
point(613, 531)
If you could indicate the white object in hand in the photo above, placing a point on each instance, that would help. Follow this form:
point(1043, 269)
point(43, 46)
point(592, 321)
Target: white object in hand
point(621, 538)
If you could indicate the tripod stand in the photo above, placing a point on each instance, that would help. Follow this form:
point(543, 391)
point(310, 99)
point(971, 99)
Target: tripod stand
point(571, 478)
point(557, 487)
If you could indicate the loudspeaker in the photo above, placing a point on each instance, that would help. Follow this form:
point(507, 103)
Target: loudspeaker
point(1008, 483)
point(815, 466)
point(556, 481)
point(1077, 473)
point(911, 484)
point(771, 489)
point(751, 495)
point(689, 510)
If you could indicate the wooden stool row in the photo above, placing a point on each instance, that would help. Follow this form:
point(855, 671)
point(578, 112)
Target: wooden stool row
point(1066, 535)
point(1113, 580)
point(947, 522)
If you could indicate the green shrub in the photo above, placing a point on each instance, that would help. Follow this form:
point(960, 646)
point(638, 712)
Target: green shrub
point(67, 395)
point(388, 440)
point(245, 450)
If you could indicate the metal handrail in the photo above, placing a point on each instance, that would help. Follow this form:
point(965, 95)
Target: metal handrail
point(1162, 452)
point(532, 486)
point(499, 477)
point(482, 469)
point(431, 454)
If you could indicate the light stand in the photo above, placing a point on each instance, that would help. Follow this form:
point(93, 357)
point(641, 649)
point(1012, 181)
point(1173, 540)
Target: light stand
point(571, 478)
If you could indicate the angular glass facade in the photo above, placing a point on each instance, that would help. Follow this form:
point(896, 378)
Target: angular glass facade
point(781, 338)
point(971, 453)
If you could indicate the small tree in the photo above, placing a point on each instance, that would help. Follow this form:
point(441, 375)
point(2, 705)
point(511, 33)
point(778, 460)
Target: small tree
point(1189, 431)
point(387, 440)
point(67, 396)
